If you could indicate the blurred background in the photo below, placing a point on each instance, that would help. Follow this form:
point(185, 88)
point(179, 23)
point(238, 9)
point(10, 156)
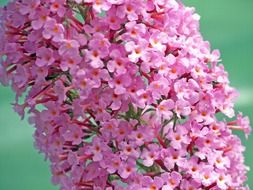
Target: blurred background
point(227, 24)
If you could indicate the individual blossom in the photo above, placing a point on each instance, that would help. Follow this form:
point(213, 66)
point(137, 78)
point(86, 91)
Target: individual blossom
point(74, 135)
point(165, 109)
point(99, 5)
point(53, 30)
point(242, 123)
point(70, 60)
point(57, 6)
point(99, 42)
point(118, 62)
point(40, 18)
point(150, 183)
point(127, 168)
point(171, 180)
point(159, 87)
point(29, 7)
point(178, 137)
point(112, 163)
point(97, 149)
point(45, 57)
point(120, 83)
point(128, 150)
point(158, 40)
point(95, 58)
point(208, 176)
point(68, 46)
point(134, 30)
point(129, 9)
point(112, 19)
point(149, 155)
point(136, 51)
point(174, 157)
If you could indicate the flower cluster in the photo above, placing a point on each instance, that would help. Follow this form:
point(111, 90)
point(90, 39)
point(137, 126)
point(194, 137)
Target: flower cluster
point(123, 94)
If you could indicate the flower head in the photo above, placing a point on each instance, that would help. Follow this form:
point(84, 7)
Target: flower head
point(123, 94)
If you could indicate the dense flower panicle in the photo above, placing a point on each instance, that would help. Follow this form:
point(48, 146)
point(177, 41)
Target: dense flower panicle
point(123, 94)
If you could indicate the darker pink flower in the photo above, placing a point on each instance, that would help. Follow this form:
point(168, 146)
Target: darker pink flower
point(53, 30)
point(45, 57)
point(74, 135)
point(70, 61)
point(120, 83)
point(57, 6)
point(40, 18)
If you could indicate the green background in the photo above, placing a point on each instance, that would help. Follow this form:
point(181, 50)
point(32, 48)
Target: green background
point(227, 24)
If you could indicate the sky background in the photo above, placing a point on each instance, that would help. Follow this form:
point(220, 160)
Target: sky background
point(227, 24)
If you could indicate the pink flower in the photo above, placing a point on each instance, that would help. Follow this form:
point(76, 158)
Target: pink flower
point(130, 9)
point(128, 150)
point(45, 57)
point(141, 135)
point(208, 176)
point(223, 181)
point(70, 60)
point(182, 108)
point(118, 63)
point(40, 18)
point(51, 112)
point(137, 51)
point(74, 135)
point(11, 50)
point(165, 109)
point(163, 67)
point(134, 30)
point(84, 85)
point(97, 75)
point(29, 7)
point(218, 160)
point(172, 157)
point(144, 98)
point(179, 137)
point(99, 5)
point(150, 155)
point(159, 87)
point(158, 40)
point(120, 83)
point(127, 168)
point(150, 183)
point(175, 71)
point(57, 6)
point(194, 167)
point(190, 185)
point(205, 113)
point(187, 90)
point(108, 128)
point(97, 149)
point(243, 124)
point(198, 71)
point(171, 180)
point(112, 19)
point(53, 30)
point(124, 129)
point(100, 43)
point(95, 58)
point(112, 163)
point(68, 46)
